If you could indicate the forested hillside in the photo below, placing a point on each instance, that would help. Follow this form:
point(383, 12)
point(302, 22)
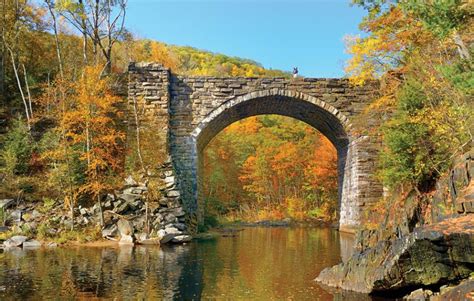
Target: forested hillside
point(270, 168)
point(421, 51)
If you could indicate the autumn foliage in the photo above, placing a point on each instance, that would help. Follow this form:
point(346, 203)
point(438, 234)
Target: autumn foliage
point(270, 167)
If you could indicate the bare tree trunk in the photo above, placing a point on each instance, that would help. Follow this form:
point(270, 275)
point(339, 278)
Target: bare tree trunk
point(88, 144)
point(2, 53)
point(84, 33)
point(99, 201)
point(56, 37)
point(28, 90)
point(20, 88)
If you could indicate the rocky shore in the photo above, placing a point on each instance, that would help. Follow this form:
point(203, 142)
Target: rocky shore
point(430, 257)
point(428, 251)
point(128, 217)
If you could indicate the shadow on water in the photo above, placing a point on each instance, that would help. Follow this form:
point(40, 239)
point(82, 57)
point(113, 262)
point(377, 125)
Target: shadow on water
point(257, 264)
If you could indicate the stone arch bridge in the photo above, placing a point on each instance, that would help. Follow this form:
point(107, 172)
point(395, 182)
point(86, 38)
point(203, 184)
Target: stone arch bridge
point(189, 111)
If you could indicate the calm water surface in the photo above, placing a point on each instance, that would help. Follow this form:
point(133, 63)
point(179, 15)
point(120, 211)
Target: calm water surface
point(257, 264)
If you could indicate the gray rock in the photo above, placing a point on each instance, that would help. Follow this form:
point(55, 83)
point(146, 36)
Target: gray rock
point(129, 181)
point(165, 237)
point(31, 244)
point(121, 208)
point(110, 231)
point(170, 218)
point(126, 240)
point(432, 254)
point(108, 204)
point(15, 241)
point(173, 194)
point(16, 216)
point(179, 212)
point(180, 226)
point(169, 180)
point(181, 239)
point(125, 228)
point(172, 230)
point(128, 197)
point(6, 203)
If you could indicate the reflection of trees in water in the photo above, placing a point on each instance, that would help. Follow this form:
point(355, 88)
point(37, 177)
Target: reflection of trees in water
point(90, 273)
point(259, 264)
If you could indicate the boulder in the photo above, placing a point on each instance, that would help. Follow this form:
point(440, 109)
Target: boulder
point(110, 231)
point(129, 181)
point(180, 226)
point(31, 244)
point(178, 212)
point(419, 295)
point(15, 241)
point(173, 194)
point(125, 228)
point(121, 208)
point(430, 256)
point(165, 237)
point(16, 216)
point(170, 229)
point(6, 203)
point(182, 239)
point(126, 240)
point(128, 197)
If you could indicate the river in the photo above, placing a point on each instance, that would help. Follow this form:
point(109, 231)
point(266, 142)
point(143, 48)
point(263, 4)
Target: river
point(256, 264)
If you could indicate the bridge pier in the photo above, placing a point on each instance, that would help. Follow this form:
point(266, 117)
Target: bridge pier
point(189, 111)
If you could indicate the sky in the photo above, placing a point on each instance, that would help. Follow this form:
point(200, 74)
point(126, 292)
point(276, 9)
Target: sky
point(279, 34)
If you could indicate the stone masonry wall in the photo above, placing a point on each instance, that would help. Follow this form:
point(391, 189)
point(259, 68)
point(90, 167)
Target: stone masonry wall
point(192, 110)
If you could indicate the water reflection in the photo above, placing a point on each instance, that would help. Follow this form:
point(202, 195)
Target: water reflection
point(347, 243)
point(258, 264)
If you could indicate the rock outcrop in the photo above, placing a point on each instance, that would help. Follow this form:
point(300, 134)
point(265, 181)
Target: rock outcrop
point(429, 257)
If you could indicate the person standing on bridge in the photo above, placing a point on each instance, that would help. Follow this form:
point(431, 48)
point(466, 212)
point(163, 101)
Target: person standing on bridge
point(295, 72)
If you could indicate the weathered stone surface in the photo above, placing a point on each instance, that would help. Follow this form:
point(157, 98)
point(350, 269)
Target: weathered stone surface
point(462, 291)
point(31, 244)
point(129, 181)
point(6, 203)
point(15, 241)
point(110, 231)
point(126, 240)
point(181, 239)
point(428, 256)
point(125, 228)
point(419, 295)
point(165, 237)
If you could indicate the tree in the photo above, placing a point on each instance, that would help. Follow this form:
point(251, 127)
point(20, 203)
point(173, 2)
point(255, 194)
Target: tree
point(101, 20)
point(92, 123)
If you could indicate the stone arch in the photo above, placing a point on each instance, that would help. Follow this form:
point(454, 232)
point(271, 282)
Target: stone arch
point(309, 109)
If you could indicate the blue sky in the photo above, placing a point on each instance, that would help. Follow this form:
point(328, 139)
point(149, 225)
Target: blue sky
point(279, 34)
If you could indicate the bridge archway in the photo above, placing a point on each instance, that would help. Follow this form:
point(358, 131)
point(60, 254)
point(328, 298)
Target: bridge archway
point(316, 113)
